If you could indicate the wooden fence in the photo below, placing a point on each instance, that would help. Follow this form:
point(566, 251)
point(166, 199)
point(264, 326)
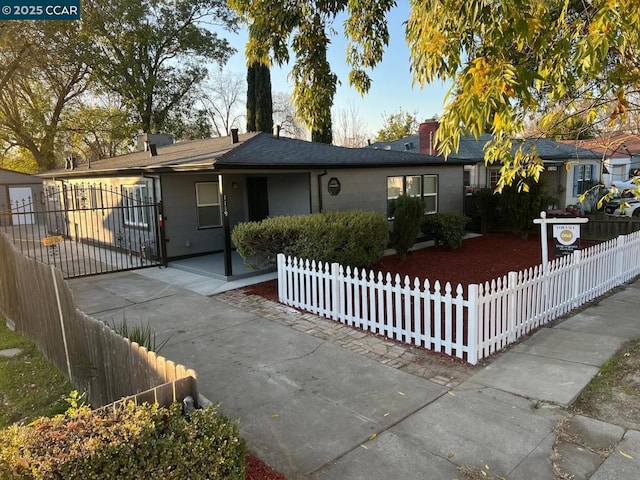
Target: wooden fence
point(442, 319)
point(37, 300)
point(606, 227)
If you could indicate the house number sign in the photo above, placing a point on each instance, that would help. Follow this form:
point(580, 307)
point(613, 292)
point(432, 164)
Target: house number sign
point(333, 186)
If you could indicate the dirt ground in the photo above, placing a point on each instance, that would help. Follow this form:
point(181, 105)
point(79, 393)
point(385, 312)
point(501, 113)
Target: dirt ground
point(614, 394)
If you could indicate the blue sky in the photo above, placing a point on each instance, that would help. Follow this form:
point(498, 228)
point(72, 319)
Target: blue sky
point(392, 81)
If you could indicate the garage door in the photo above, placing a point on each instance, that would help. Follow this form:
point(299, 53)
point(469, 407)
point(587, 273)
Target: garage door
point(21, 206)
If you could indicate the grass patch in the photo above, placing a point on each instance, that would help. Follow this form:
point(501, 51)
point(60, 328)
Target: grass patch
point(30, 386)
point(611, 374)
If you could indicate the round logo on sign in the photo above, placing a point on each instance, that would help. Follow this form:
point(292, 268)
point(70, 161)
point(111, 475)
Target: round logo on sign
point(566, 237)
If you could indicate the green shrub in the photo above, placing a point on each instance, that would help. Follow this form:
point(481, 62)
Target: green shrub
point(521, 208)
point(445, 228)
point(350, 238)
point(407, 212)
point(486, 204)
point(127, 441)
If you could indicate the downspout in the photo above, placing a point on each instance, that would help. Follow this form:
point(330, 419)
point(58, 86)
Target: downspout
point(320, 206)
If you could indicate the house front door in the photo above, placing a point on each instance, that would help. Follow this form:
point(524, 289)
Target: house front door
point(257, 198)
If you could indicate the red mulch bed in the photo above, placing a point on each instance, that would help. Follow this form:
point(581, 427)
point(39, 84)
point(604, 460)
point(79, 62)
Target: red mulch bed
point(478, 260)
point(257, 470)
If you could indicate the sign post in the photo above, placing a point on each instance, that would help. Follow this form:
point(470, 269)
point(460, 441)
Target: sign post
point(568, 233)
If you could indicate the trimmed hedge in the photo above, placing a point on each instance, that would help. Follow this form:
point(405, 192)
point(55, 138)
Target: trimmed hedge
point(127, 441)
point(407, 212)
point(352, 238)
point(445, 229)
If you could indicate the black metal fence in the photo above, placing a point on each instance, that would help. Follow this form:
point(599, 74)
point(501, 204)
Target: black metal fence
point(87, 229)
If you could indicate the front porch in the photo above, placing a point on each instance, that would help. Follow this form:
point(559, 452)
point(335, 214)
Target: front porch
point(212, 265)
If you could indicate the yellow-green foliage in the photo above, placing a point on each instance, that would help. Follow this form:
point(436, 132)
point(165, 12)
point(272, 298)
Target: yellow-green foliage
point(350, 238)
point(126, 442)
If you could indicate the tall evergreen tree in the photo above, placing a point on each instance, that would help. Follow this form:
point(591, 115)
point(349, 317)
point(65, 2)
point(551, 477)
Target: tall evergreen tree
point(264, 102)
point(259, 101)
point(251, 97)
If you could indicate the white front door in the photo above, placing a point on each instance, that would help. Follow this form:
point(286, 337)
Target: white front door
point(21, 199)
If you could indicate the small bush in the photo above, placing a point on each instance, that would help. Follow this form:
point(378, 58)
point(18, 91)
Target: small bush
point(407, 212)
point(350, 238)
point(445, 229)
point(126, 441)
point(142, 334)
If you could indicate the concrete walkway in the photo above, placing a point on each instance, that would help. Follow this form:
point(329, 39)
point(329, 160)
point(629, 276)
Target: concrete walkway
point(317, 400)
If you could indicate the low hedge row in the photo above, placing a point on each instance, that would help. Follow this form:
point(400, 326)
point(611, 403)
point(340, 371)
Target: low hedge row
point(133, 442)
point(352, 238)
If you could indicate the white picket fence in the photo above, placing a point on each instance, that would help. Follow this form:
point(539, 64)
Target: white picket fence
point(442, 319)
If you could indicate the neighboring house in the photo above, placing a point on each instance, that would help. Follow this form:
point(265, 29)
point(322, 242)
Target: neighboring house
point(17, 193)
point(569, 169)
point(620, 153)
point(208, 186)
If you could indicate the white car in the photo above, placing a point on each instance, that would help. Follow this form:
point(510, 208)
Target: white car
point(631, 184)
point(626, 206)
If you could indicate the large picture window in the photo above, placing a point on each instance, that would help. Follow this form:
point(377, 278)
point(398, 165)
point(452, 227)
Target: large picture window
point(424, 187)
point(582, 179)
point(135, 200)
point(208, 204)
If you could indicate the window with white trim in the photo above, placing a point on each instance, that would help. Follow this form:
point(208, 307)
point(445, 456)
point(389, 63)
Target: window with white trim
point(430, 193)
point(494, 177)
point(135, 200)
point(208, 204)
point(424, 187)
point(582, 179)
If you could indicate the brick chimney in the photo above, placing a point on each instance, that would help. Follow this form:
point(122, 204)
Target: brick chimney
point(427, 132)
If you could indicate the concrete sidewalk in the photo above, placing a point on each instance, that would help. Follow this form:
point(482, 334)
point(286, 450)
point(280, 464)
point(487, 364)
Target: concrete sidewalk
point(311, 407)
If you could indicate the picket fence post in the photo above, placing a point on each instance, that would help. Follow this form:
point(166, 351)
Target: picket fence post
point(335, 290)
point(511, 306)
point(472, 324)
point(575, 270)
point(619, 260)
point(281, 276)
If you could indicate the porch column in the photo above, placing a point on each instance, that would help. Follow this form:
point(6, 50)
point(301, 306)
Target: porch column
point(228, 268)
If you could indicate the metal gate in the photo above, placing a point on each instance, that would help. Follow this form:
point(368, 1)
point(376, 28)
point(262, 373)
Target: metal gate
point(88, 229)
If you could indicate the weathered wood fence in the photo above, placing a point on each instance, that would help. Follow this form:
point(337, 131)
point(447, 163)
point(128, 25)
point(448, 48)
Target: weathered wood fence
point(606, 227)
point(37, 300)
point(441, 318)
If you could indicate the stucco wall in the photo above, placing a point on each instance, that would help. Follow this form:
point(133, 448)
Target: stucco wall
point(289, 194)
point(102, 225)
point(366, 188)
point(181, 216)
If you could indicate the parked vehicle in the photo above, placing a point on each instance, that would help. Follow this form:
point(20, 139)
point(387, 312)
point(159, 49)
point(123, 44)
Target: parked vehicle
point(630, 184)
point(628, 206)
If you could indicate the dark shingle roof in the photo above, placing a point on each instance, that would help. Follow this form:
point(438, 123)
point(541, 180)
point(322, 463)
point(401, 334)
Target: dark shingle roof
point(548, 150)
point(472, 150)
point(254, 150)
point(192, 155)
point(268, 151)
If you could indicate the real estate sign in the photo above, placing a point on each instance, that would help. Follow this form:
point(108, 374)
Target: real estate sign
point(566, 238)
